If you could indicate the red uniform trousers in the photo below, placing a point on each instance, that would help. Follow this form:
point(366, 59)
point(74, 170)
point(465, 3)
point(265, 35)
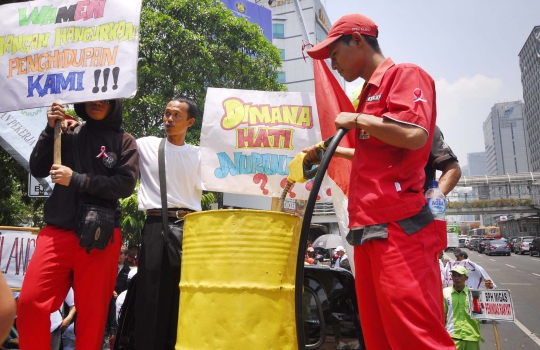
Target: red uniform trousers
point(399, 292)
point(59, 263)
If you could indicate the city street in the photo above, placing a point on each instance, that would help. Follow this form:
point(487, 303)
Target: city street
point(521, 275)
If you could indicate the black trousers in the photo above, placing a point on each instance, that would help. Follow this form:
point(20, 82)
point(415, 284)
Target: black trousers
point(157, 291)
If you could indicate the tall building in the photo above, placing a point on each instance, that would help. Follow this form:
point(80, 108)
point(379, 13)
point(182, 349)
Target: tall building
point(529, 63)
point(504, 139)
point(476, 162)
point(297, 72)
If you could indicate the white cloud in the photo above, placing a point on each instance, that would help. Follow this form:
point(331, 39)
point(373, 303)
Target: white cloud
point(462, 108)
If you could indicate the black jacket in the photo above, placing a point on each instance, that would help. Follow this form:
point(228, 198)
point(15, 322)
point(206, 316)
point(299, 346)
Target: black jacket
point(103, 180)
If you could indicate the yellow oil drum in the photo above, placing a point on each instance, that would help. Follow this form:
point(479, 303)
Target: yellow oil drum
point(237, 282)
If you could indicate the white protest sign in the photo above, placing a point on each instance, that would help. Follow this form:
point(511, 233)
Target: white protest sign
point(67, 50)
point(493, 304)
point(248, 139)
point(19, 132)
point(16, 248)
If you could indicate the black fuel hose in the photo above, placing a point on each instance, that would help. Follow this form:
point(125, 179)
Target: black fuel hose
point(306, 223)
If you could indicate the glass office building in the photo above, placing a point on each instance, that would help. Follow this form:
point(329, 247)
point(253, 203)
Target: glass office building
point(504, 139)
point(297, 73)
point(529, 63)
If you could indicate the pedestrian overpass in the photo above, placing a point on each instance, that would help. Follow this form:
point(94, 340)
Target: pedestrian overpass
point(477, 195)
point(496, 194)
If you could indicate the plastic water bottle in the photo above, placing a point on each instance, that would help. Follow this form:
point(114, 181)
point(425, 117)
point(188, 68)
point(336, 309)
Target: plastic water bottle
point(436, 201)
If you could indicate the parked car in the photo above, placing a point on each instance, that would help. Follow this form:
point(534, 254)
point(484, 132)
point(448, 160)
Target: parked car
point(534, 247)
point(482, 245)
point(473, 243)
point(512, 242)
point(497, 247)
point(521, 246)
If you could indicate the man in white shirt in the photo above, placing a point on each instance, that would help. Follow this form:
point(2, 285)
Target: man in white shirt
point(478, 277)
point(340, 251)
point(156, 305)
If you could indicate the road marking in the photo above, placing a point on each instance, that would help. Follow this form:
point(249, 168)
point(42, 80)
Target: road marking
point(511, 266)
point(535, 274)
point(528, 332)
point(492, 259)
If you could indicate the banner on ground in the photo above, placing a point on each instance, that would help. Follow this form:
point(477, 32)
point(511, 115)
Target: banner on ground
point(493, 304)
point(248, 139)
point(17, 245)
point(67, 50)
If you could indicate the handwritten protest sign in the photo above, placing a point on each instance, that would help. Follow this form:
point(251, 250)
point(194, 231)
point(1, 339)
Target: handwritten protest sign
point(67, 50)
point(248, 139)
point(16, 248)
point(493, 304)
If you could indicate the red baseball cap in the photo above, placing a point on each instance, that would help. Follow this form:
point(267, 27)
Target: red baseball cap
point(346, 25)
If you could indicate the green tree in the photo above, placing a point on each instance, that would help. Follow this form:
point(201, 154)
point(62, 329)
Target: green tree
point(16, 208)
point(187, 46)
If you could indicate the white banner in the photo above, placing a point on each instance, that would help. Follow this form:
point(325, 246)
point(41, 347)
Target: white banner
point(67, 50)
point(248, 139)
point(16, 249)
point(19, 132)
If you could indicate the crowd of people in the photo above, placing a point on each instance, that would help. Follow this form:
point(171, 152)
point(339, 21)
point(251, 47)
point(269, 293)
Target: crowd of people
point(396, 152)
point(100, 165)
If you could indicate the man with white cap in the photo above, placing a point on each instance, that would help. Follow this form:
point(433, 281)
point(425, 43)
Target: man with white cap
point(465, 331)
point(340, 251)
point(393, 231)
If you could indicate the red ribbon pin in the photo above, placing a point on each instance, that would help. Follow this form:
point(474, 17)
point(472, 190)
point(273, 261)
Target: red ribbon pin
point(102, 154)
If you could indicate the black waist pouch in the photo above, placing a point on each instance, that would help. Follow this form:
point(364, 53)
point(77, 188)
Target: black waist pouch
point(95, 226)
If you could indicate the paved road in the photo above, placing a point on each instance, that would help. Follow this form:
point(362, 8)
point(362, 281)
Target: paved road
point(521, 275)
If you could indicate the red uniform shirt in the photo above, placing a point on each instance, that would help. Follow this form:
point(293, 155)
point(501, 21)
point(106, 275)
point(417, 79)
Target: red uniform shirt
point(387, 181)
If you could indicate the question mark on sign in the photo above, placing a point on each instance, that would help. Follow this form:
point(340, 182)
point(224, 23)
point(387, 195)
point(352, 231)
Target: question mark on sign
point(284, 183)
point(263, 179)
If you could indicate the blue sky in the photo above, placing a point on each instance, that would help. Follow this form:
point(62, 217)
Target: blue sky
point(470, 48)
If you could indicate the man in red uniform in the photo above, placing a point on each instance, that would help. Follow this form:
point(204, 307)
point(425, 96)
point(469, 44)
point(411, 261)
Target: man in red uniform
point(397, 278)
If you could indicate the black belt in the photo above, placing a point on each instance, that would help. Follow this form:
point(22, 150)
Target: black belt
point(171, 213)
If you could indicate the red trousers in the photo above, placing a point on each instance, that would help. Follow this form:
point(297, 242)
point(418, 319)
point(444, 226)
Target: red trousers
point(398, 286)
point(59, 263)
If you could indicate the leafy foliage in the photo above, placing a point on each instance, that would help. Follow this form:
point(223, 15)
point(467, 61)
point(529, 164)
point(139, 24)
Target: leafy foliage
point(501, 202)
point(133, 219)
point(16, 208)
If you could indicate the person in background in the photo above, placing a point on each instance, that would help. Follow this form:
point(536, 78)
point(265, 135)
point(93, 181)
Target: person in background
point(59, 323)
point(133, 256)
point(342, 256)
point(120, 286)
point(7, 309)
point(477, 277)
point(310, 252)
point(443, 159)
point(465, 331)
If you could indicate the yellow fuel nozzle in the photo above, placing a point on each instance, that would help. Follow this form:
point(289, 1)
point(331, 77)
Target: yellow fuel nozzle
point(296, 169)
